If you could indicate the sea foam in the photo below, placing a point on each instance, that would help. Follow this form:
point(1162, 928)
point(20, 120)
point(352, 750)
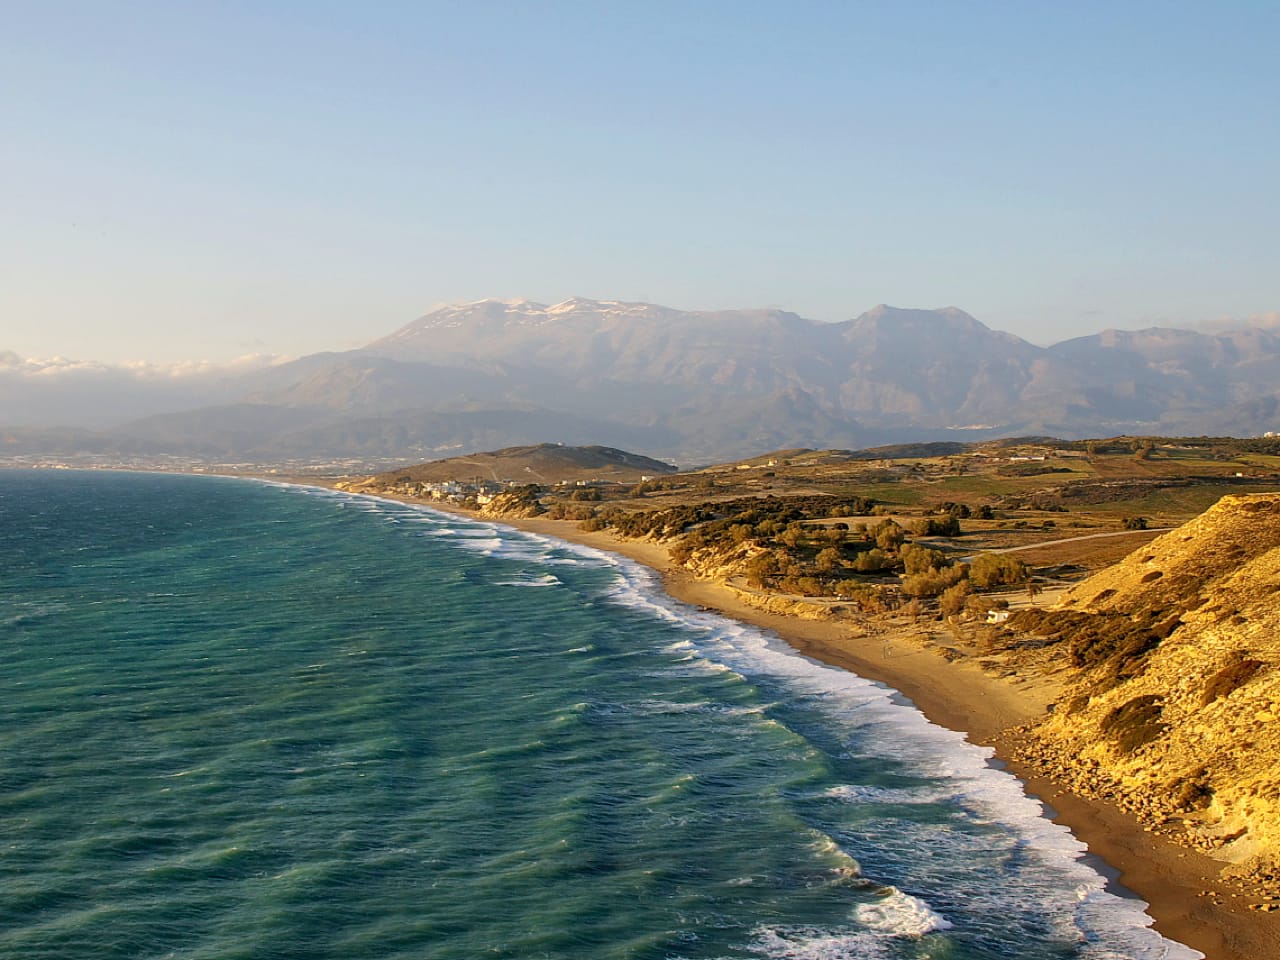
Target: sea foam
point(804, 943)
point(900, 915)
point(1047, 874)
point(882, 723)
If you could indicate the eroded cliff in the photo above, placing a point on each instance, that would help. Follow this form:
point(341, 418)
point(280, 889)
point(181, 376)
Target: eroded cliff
point(1173, 703)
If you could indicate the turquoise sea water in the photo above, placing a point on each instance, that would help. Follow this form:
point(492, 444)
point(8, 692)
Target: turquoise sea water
point(244, 720)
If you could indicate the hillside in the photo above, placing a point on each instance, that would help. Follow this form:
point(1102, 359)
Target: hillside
point(543, 463)
point(696, 386)
point(1173, 707)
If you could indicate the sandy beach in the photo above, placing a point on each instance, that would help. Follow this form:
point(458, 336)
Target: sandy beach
point(1187, 900)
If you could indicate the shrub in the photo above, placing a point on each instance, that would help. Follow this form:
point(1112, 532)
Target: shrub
point(989, 570)
point(978, 606)
point(569, 511)
point(930, 583)
point(681, 550)
point(793, 534)
point(927, 584)
point(833, 534)
point(828, 560)
point(871, 561)
point(888, 535)
point(864, 595)
point(761, 568)
point(947, 526)
point(809, 587)
point(952, 599)
point(918, 559)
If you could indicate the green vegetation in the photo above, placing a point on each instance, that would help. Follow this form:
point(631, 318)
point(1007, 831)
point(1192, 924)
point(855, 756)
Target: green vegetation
point(1114, 646)
point(860, 538)
point(806, 546)
point(886, 529)
point(990, 570)
point(948, 526)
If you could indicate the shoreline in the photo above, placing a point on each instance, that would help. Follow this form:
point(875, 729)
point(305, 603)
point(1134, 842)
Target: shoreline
point(1171, 879)
point(1185, 897)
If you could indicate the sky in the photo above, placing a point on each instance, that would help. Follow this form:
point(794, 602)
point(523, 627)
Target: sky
point(207, 180)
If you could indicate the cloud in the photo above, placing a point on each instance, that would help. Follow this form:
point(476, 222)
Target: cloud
point(12, 365)
point(59, 391)
point(1257, 321)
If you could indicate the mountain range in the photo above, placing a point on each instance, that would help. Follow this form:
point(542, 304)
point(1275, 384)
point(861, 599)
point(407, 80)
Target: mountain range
point(689, 386)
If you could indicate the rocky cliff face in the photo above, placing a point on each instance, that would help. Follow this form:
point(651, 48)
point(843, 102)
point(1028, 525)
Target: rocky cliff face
point(1173, 708)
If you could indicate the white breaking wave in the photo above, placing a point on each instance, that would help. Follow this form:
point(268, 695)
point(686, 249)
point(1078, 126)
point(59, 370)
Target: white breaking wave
point(803, 943)
point(900, 915)
point(878, 722)
point(1042, 867)
point(860, 793)
point(546, 580)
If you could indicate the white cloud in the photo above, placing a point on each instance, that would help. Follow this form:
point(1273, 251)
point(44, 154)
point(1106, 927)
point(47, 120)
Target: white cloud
point(49, 367)
point(1257, 321)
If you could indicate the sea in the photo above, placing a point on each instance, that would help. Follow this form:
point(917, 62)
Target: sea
point(244, 719)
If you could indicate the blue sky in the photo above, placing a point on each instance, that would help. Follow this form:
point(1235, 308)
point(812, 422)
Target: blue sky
point(206, 180)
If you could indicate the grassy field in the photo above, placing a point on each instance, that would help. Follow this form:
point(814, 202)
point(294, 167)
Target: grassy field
point(1032, 493)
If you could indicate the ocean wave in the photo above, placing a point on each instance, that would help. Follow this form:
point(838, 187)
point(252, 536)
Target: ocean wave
point(900, 914)
point(876, 721)
point(485, 546)
point(488, 538)
point(546, 580)
point(654, 707)
point(1045, 876)
point(862, 793)
point(804, 943)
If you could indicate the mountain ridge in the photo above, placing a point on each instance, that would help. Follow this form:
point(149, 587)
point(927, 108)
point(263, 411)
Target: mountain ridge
point(696, 386)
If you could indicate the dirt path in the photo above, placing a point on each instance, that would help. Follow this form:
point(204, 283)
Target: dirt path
point(1087, 536)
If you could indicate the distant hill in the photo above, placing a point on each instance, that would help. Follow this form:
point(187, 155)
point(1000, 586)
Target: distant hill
point(696, 386)
point(543, 463)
